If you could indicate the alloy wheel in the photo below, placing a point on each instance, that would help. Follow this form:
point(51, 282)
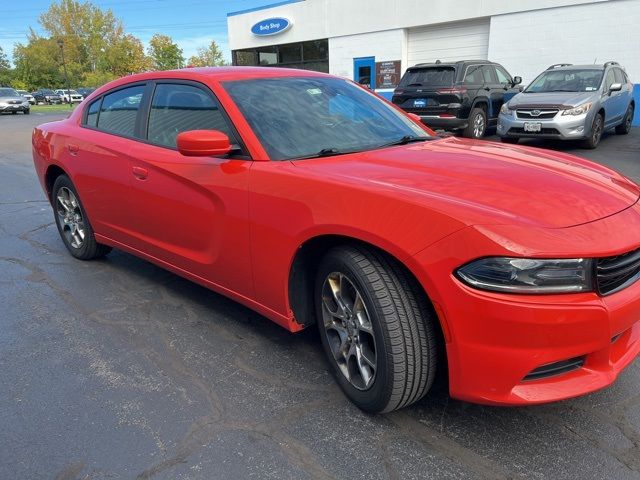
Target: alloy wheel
point(348, 330)
point(597, 130)
point(478, 126)
point(70, 217)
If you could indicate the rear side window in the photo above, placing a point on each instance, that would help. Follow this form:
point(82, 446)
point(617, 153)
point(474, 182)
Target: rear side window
point(474, 75)
point(120, 109)
point(177, 108)
point(92, 114)
point(428, 76)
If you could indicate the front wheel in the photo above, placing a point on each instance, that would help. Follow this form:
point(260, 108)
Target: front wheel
point(596, 133)
point(72, 222)
point(625, 127)
point(27, 111)
point(376, 328)
point(477, 124)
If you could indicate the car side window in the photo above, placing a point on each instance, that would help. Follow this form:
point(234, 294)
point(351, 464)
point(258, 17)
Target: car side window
point(503, 76)
point(92, 114)
point(619, 75)
point(488, 72)
point(119, 111)
point(474, 75)
point(609, 80)
point(177, 108)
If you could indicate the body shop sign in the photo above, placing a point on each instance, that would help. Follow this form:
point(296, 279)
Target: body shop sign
point(387, 74)
point(271, 26)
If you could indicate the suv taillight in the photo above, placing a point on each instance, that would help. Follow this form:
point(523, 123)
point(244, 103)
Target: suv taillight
point(452, 90)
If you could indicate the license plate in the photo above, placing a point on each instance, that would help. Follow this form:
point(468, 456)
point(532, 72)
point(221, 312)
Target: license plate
point(532, 126)
point(421, 103)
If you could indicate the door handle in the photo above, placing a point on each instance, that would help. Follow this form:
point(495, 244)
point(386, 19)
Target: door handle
point(140, 173)
point(73, 149)
point(487, 88)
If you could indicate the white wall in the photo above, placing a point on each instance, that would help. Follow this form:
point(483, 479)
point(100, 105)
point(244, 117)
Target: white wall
point(527, 43)
point(314, 19)
point(385, 46)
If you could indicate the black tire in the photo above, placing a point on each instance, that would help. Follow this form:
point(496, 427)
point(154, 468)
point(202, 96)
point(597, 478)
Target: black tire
point(14, 112)
point(477, 126)
point(27, 111)
point(88, 248)
point(596, 133)
point(402, 325)
point(625, 127)
point(511, 140)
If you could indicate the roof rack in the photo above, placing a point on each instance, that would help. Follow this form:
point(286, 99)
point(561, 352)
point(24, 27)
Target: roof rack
point(611, 63)
point(558, 65)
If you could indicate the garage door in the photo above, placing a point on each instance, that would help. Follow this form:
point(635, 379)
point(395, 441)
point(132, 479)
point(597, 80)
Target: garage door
point(449, 42)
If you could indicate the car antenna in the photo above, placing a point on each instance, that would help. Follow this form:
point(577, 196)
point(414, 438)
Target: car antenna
point(595, 60)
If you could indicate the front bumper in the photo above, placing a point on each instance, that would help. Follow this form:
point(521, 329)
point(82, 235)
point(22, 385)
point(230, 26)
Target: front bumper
point(561, 127)
point(494, 340)
point(15, 107)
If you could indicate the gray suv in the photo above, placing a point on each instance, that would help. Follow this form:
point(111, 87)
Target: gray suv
point(570, 102)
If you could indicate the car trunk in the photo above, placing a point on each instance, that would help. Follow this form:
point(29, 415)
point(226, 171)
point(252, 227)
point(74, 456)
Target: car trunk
point(427, 91)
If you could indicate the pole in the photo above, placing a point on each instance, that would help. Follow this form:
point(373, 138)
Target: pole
point(64, 67)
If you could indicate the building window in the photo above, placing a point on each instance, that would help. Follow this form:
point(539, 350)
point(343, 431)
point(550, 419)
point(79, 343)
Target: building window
point(311, 55)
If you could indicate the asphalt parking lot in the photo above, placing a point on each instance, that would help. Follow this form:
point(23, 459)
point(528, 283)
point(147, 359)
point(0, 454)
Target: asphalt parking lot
point(116, 369)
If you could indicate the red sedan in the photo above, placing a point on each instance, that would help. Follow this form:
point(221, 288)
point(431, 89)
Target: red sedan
point(309, 199)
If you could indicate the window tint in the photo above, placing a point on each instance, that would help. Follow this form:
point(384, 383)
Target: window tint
point(428, 76)
point(119, 110)
point(474, 75)
point(179, 108)
point(503, 76)
point(92, 114)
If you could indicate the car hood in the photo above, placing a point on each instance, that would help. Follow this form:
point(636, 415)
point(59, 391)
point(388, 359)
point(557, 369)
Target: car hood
point(12, 98)
point(551, 99)
point(479, 182)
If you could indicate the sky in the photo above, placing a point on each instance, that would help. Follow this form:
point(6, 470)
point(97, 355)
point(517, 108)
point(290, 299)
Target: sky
point(191, 23)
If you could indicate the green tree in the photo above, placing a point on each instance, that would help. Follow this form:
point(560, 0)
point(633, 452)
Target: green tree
point(164, 53)
point(38, 62)
point(210, 56)
point(6, 73)
point(4, 60)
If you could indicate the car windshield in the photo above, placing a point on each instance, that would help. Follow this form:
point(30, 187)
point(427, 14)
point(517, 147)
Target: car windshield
point(428, 76)
point(302, 117)
point(8, 92)
point(47, 92)
point(575, 80)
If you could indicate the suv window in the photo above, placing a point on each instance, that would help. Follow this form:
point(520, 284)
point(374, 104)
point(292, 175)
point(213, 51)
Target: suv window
point(179, 108)
point(488, 72)
point(120, 109)
point(609, 80)
point(429, 76)
point(619, 75)
point(92, 113)
point(474, 75)
point(503, 76)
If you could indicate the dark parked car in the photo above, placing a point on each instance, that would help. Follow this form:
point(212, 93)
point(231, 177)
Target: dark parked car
point(45, 95)
point(461, 96)
point(85, 92)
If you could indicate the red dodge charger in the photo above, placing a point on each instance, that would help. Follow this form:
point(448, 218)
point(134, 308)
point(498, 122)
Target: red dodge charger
point(512, 270)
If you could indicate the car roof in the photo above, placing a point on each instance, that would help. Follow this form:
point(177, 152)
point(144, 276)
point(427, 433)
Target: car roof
point(220, 74)
point(450, 64)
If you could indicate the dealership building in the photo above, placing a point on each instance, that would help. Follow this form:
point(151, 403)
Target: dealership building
point(373, 42)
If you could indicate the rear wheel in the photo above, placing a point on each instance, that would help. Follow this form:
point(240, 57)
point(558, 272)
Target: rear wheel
point(376, 329)
point(72, 222)
point(596, 133)
point(509, 140)
point(477, 124)
point(625, 126)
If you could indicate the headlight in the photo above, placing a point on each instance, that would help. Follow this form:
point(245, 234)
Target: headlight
point(579, 110)
point(504, 109)
point(528, 275)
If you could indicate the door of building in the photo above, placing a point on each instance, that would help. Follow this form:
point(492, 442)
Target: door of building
point(364, 71)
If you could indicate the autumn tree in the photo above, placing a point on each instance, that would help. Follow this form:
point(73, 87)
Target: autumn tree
point(164, 53)
point(210, 56)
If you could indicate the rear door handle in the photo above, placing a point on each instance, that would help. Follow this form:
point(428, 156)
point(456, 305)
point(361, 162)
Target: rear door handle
point(73, 149)
point(140, 173)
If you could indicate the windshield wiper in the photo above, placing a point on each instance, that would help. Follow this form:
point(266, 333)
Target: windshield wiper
point(325, 152)
point(404, 140)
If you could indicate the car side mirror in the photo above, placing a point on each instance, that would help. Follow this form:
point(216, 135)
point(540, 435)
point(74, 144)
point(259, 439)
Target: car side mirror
point(517, 80)
point(203, 143)
point(615, 87)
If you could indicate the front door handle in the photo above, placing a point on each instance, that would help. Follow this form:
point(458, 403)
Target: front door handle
point(140, 173)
